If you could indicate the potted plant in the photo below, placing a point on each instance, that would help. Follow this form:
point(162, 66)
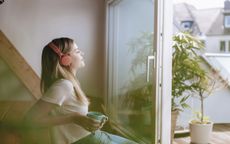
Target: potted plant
point(201, 126)
point(185, 70)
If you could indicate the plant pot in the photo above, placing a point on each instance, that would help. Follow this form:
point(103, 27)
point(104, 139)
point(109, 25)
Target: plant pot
point(200, 133)
point(174, 115)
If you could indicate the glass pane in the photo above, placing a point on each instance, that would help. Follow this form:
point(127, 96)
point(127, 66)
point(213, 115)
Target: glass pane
point(227, 21)
point(131, 34)
point(222, 46)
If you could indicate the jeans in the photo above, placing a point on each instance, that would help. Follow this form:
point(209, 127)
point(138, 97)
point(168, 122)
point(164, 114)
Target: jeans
point(101, 137)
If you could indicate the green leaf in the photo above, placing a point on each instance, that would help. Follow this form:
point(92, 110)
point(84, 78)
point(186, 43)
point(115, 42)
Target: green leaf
point(184, 99)
point(184, 105)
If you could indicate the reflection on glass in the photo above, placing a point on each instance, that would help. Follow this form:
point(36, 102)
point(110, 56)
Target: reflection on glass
point(136, 93)
point(132, 22)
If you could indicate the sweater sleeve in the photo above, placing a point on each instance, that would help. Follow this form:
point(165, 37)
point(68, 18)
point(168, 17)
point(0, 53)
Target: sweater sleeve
point(58, 92)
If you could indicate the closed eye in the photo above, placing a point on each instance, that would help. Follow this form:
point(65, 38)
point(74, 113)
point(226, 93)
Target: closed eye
point(77, 50)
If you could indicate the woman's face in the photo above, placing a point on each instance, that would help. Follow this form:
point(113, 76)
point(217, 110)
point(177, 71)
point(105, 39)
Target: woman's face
point(77, 58)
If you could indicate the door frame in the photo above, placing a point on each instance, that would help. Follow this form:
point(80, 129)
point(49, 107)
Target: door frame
point(164, 28)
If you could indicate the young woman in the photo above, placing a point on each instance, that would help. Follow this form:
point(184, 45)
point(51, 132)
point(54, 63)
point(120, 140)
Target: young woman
point(64, 106)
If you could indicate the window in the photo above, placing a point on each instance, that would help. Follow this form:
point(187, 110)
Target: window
point(186, 25)
point(222, 46)
point(227, 21)
point(228, 46)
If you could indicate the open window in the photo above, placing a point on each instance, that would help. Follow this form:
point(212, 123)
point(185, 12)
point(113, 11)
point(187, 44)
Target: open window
point(136, 68)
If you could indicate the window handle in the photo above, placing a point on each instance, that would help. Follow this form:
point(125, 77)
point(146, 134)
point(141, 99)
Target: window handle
point(149, 58)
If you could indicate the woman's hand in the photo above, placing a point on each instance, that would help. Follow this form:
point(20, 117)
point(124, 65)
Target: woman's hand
point(102, 123)
point(88, 123)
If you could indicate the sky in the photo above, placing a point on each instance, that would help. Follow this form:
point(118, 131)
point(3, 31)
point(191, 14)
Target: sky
point(203, 4)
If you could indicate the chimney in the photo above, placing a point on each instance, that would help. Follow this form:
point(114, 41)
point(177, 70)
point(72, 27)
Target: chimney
point(226, 5)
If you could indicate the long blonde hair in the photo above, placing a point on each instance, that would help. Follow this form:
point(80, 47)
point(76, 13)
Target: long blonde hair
point(52, 70)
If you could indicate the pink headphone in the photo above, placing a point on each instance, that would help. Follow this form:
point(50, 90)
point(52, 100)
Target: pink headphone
point(65, 59)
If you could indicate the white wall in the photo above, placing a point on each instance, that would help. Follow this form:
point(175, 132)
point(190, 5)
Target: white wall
point(31, 24)
point(213, 43)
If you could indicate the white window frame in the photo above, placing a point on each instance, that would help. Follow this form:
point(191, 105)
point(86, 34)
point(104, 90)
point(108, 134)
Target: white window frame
point(166, 24)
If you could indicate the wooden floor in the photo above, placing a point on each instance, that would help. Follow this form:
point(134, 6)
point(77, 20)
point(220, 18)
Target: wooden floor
point(220, 135)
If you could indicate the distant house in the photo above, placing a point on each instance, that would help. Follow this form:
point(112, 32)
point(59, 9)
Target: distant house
point(213, 27)
point(218, 35)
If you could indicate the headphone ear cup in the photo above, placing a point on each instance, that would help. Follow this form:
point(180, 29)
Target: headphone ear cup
point(66, 60)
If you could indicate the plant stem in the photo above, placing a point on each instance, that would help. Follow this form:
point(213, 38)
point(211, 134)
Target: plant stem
point(202, 107)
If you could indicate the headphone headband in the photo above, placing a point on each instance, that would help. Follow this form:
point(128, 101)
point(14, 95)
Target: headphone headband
point(64, 59)
point(55, 49)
